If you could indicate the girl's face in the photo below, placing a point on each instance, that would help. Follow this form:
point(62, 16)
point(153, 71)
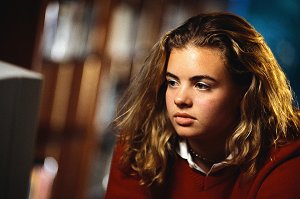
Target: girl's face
point(201, 99)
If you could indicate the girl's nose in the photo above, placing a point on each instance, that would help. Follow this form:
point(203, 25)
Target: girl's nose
point(182, 99)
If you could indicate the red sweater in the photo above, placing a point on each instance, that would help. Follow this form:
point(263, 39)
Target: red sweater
point(279, 178)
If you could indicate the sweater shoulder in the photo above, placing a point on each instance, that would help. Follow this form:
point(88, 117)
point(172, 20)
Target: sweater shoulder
point(122, 184)
point(279, 177)
point(283, 181)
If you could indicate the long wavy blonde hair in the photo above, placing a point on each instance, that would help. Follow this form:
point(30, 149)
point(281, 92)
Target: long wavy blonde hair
point(268, 114)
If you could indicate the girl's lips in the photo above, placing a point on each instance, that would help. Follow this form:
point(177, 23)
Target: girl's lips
point(183, 119)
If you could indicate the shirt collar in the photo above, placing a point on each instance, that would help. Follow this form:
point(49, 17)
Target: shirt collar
point(183, 152)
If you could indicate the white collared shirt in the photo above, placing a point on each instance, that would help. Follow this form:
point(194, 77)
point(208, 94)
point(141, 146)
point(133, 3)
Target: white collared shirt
point(183, 152)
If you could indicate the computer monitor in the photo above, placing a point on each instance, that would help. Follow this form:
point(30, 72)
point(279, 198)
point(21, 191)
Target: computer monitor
point(20, 93)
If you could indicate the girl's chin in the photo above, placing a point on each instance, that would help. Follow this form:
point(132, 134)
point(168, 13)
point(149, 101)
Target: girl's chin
point(188, 134)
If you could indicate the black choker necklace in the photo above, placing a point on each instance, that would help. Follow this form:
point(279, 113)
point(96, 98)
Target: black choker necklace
point(201, 158)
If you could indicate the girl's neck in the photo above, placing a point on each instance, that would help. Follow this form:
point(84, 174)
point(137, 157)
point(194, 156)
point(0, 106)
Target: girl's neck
point(206, 152)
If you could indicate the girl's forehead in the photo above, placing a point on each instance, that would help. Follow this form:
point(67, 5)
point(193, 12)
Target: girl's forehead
point(197, 61)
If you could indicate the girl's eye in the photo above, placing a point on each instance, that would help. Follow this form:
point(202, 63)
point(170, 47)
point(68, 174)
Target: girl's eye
point(202, 86)
point(172, 82)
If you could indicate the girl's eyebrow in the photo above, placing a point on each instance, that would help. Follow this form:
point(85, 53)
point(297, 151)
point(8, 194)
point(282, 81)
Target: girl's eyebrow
point(201, 77)
point(171, 75)
point(194, 78)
